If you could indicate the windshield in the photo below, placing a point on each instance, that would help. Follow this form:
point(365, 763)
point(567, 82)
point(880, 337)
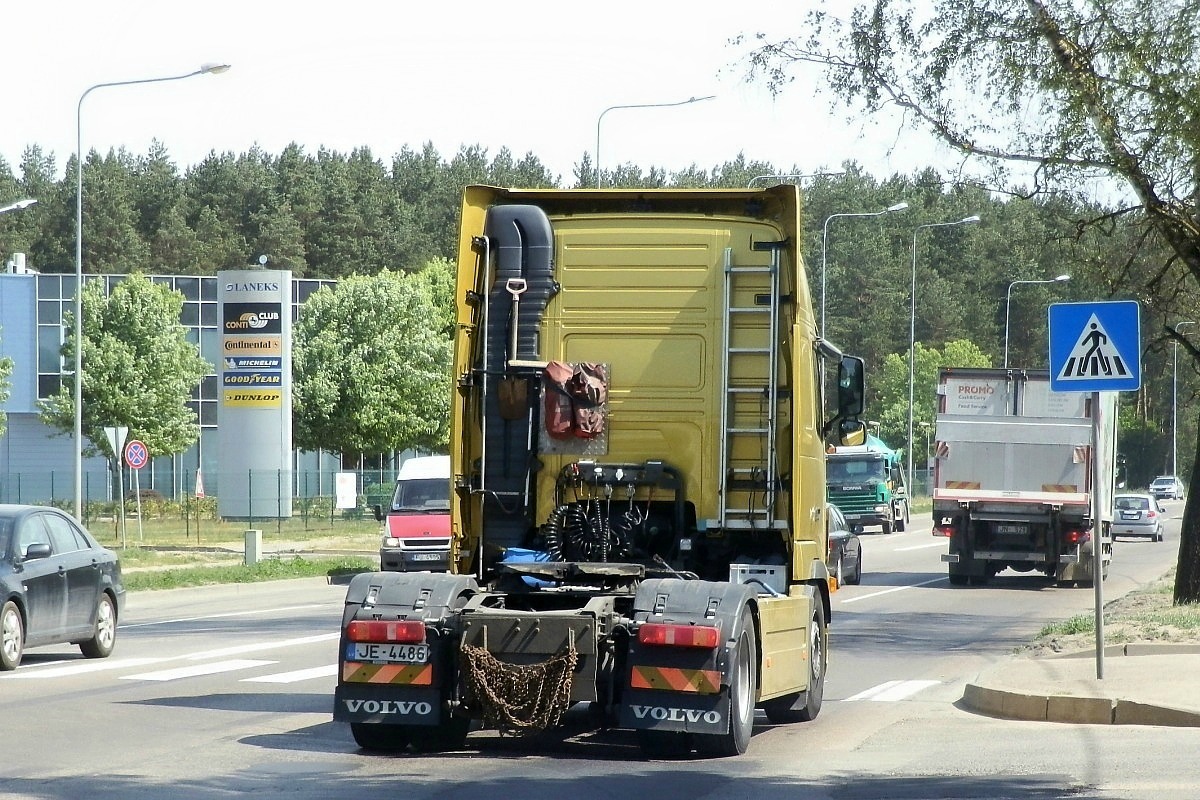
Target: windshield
point(840, 471)
point(1131, 502)
point(424, 494)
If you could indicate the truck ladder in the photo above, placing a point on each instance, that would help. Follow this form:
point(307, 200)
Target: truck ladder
point(750, 393)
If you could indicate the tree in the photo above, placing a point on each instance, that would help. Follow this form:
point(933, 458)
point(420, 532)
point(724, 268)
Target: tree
point(1067, 92)
point(139, 369)
point(370, 369)
point(6, 368)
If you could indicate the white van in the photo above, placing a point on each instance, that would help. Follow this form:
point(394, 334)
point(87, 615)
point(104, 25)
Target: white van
point(416, 527)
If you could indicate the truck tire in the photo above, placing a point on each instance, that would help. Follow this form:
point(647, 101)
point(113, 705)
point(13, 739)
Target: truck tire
point(902, 520)
point(743, 689)
point(372, 736)
point(887, 527)
point(782, 710)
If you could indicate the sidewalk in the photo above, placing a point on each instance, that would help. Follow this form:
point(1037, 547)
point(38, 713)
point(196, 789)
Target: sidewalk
point(1143, 684)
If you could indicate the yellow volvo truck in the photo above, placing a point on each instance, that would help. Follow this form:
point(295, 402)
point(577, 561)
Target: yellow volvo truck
point(637, 454)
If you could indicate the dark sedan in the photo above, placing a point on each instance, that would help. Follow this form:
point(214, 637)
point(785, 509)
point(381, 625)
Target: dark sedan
point(59, 585)
point(844, 554)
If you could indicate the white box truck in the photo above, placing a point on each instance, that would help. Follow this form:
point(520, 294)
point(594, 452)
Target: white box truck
point(1013, 476)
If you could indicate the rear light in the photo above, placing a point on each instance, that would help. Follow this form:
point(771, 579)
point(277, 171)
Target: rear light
point(667, 635)
point(1150, 515)
point(375, 630)
point(1078, 537)
point(943, 530)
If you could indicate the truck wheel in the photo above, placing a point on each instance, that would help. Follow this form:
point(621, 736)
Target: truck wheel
point(371, 736)
point(901, 521)
point(450, 735)
point(887, 528)
point(105, 635)
point(743, 691)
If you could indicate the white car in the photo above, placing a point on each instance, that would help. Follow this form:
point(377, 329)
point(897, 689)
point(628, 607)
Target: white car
point(1137, 515)
point(1167, 487)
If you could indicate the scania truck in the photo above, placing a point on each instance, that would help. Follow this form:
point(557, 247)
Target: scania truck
point(637, 456)
point(866, 483)
point(1013, 476)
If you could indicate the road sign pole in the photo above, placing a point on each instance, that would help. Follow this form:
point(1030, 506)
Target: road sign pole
point(1097, 539)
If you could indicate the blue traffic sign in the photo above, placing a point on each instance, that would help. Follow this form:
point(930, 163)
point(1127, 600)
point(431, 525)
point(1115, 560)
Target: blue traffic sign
point(1095, 347)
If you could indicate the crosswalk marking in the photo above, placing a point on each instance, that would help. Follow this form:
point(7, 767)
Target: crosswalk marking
point(80, 668)
point(892, 691)
point(199, 669)
point(257, 647)
point(296, 675)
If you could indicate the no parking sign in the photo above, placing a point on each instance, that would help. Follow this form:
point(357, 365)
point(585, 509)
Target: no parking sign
point(136, 454)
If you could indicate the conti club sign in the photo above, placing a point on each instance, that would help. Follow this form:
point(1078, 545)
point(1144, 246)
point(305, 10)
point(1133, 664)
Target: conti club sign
point(252, 329)
point(255, 396)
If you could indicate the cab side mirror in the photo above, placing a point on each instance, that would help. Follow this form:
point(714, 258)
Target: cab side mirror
point(851, 386)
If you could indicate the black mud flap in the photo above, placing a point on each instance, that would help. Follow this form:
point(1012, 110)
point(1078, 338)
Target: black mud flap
point(387, 705)
point(675, 711)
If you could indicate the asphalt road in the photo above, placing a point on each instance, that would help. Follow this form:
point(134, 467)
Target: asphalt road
point(225, 691)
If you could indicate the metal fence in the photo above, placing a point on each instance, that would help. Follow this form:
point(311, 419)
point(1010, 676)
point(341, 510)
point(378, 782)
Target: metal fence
point(272, 494)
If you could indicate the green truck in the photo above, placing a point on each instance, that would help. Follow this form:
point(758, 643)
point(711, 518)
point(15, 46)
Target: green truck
point(866, 482)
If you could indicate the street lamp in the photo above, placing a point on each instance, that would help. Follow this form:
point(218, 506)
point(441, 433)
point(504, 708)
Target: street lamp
point(637, 105)
point(1008, 306)
point(825, 239)
point(1175, 395)
point(205, 69)
point(17, 206)
point(912, 328)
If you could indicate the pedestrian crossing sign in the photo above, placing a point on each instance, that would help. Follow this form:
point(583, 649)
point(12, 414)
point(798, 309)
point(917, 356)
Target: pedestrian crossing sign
point(1095, 347)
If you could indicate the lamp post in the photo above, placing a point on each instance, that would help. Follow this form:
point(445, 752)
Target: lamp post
point(1008, 306)
point(825, 240)
point(912, 328)
point(17, 206)
point(637, 105)
point(1175, 395)
point(205, 69)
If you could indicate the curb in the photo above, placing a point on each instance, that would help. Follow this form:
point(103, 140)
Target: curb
point(1014, 705)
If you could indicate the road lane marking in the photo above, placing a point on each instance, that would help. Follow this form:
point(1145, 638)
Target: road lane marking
point(259, 646)
point(225, 616)
point(918, 547)
point(889, 591)
point(296, 675)
point(78, 668)
point(197, 670)
point(892, 691)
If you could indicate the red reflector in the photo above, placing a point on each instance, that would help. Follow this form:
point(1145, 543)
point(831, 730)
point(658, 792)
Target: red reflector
point(944, 530)
point(1077, 537)
point(667, 635)
point(377, 630)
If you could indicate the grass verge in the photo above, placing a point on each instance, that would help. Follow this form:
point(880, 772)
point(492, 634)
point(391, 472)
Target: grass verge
point(273, 569)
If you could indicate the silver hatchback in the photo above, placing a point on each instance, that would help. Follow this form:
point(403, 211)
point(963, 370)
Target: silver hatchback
point(1137, 515)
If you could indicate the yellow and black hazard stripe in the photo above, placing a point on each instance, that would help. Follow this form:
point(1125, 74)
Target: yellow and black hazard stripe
point(402, 674)
point(698, 681)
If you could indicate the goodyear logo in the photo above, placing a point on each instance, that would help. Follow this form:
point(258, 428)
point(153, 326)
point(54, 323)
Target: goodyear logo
point(253, 398)
point(253, 379)
point(252, 345)
point(252, 318)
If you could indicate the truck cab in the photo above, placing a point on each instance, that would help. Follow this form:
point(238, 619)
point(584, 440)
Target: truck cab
point(866, 483)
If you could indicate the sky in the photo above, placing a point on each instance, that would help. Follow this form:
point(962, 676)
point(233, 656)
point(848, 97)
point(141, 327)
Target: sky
point(531, 76)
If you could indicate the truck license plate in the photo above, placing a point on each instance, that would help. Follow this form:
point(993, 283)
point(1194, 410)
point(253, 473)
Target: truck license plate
point(1009, 529)
point(426, 556)
point(383, 653)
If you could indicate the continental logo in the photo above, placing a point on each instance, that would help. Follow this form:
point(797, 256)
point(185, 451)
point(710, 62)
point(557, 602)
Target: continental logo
point(403, 674)
point(252, 345)
point(698, 681)
point(252, 317)
point(253, 398)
